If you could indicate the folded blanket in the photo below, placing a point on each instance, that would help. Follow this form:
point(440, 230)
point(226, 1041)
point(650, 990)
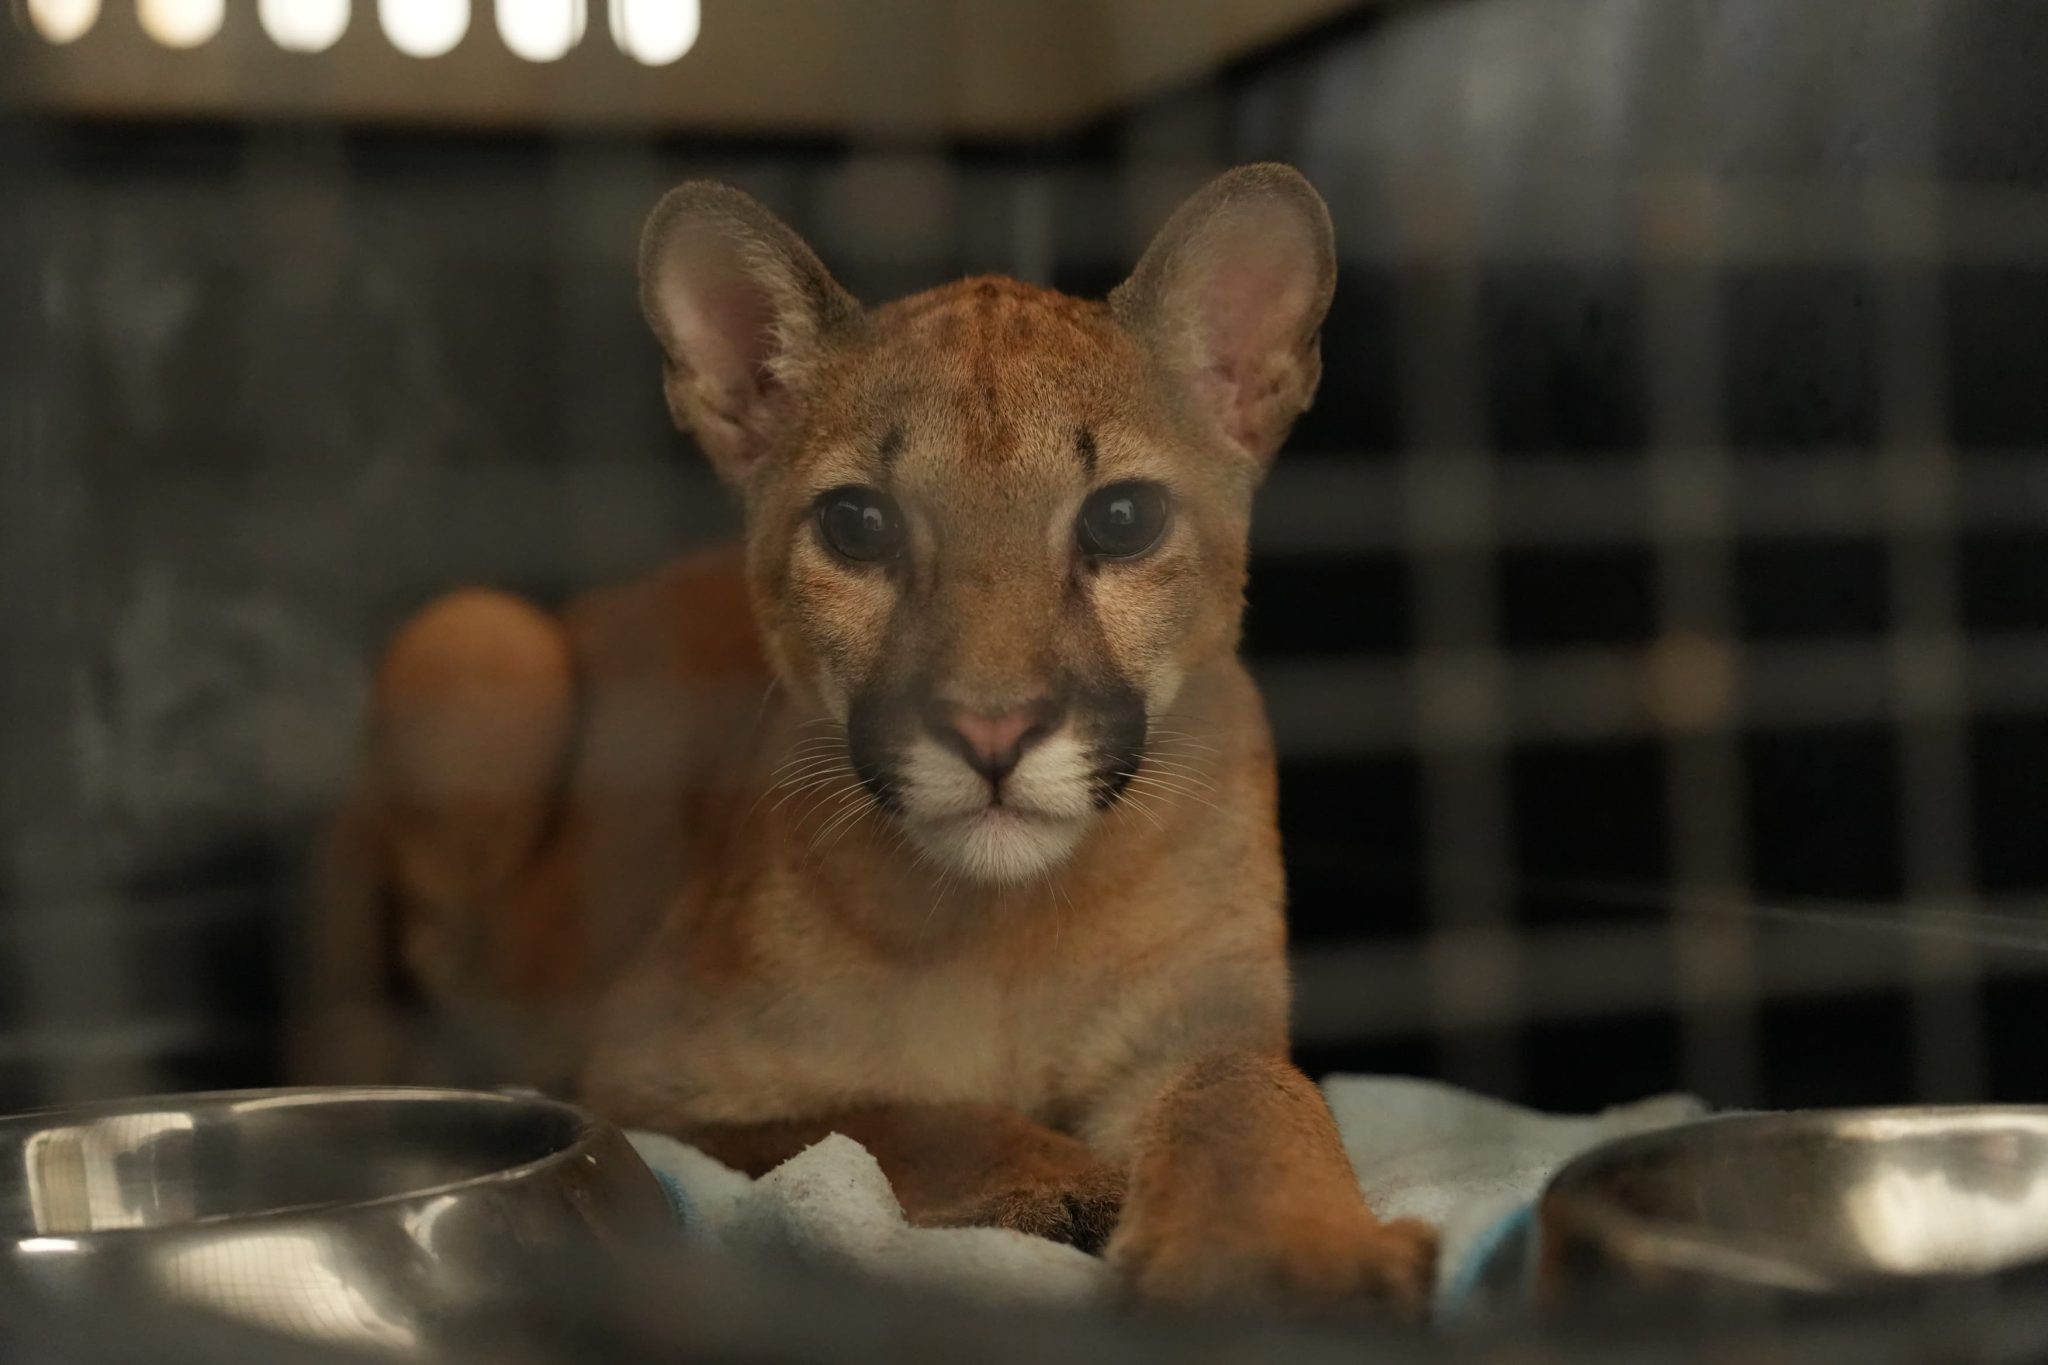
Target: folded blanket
point(1469, 1164)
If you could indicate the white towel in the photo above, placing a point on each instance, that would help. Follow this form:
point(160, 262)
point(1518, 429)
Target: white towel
point(1469, 1164)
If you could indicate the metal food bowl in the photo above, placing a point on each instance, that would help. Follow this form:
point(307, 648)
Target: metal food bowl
point(1809, 1202)
point(389, 1219)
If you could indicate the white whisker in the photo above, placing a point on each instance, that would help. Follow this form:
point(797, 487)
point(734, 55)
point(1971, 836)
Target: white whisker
point(813, 784)
point(1159, 784)
point(811, 766)
point(1128, 798)
point(1177, 769)
point(847, 817)
point(860, 809)
point(844, 801)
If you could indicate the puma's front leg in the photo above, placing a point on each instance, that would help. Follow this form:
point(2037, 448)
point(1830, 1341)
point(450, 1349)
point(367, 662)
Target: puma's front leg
point(1240, 1188)
point(953, 1165)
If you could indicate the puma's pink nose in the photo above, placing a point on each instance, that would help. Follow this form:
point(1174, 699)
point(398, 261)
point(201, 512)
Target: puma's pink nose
point(992, 744)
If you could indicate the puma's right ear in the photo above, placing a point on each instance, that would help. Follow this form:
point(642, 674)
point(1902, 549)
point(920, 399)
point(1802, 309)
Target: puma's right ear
point(743, 310)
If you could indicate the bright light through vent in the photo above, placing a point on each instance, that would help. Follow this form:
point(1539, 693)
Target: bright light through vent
point(424, 28)
point(303, 25)
point(181, 23)
point(655, 32)
point(541, 30)
point(63, 21)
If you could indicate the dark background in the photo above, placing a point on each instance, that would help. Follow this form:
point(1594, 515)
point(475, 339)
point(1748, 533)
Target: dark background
point(1653, 609)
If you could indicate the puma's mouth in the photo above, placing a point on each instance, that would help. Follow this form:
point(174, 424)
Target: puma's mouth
point(1004, 831)
point(972, 807)
point(1000, 814)
point(1000, 842)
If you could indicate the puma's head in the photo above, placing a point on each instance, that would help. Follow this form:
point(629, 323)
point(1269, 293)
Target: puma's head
point(991, 528)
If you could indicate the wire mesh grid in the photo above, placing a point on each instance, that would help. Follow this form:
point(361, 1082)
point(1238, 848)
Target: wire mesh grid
point(1648, 611)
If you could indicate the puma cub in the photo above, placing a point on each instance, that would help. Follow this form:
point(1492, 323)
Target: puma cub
point(942, 813)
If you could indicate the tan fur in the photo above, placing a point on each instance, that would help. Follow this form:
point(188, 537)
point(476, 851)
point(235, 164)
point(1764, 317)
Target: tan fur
point(632, 832)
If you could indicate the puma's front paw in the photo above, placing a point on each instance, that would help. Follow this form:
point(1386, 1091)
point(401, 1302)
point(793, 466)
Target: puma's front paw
point(1329, 1259)
point(1080, 1210)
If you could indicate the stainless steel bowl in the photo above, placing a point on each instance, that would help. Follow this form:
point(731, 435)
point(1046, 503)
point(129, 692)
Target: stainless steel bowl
point(1814, 1201)
point(390, 1219)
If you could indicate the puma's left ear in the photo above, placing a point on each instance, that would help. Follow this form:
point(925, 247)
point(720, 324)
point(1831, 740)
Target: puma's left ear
point(1231, 295)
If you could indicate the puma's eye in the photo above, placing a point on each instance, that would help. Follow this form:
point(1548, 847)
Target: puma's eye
point(860, 524)
point(1123, 520)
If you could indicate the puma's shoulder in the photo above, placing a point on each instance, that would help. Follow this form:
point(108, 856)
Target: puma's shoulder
point(686, 624)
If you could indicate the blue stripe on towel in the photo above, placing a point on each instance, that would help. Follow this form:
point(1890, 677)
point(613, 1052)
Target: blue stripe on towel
point(1465, 1281)
point(678, 1197)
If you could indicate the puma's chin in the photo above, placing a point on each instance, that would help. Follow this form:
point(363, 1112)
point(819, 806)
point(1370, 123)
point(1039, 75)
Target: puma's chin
point(1000, 843)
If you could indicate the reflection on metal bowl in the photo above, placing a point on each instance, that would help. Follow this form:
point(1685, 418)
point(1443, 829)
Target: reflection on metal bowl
point(387, 1219)
point(1813, 1201)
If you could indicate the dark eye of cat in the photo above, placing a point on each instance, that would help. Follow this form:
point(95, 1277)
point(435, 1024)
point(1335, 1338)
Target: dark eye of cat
point(1123, 520)
point(860, 524)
